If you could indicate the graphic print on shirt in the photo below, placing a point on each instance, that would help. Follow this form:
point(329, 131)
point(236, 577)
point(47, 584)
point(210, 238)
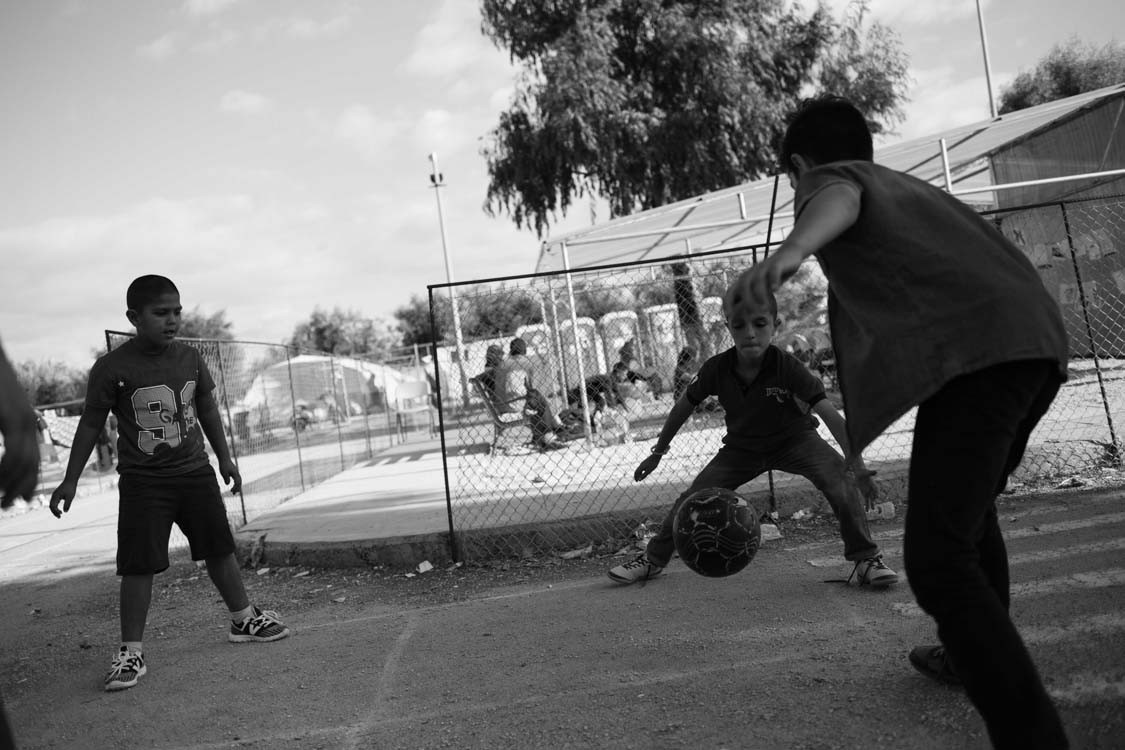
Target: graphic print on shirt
point(778, 394)
point(163, 421)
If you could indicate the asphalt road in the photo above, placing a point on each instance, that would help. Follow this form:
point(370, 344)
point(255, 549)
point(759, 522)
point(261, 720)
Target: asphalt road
point(550, 654)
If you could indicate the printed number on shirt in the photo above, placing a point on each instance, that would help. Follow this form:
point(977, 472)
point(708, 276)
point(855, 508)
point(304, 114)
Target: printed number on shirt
point(156, 410)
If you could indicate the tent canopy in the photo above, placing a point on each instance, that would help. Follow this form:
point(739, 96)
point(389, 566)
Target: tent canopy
point(739, 216)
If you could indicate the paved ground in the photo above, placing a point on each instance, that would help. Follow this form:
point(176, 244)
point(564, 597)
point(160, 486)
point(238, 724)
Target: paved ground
point(549, 653)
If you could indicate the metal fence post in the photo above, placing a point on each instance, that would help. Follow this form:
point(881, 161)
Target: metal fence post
point(1114, 450)
point(296, 432)
point(441, 431)
point(226, 405)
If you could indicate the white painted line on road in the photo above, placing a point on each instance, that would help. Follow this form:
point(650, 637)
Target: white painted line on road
point(1090, 548)
point(1088, 688)
point(1042, 529)
point(1098, 579)
point(1088, 625)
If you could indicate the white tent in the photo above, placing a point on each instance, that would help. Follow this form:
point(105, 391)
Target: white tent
point(351, 386)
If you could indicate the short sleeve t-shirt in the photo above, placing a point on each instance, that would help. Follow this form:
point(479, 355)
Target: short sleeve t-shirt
point(154, 398)
point(761, 414)
point(922, 290)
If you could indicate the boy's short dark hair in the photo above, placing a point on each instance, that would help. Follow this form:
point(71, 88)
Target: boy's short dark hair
point(826, 129)
point(145, 289)
point(517, 346)
point(731, 297)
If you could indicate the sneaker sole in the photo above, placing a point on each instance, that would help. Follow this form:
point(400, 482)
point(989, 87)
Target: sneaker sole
point(924, 668)
point(882, 583)
point(620, 579)
point(257, 638)
point(113, 687)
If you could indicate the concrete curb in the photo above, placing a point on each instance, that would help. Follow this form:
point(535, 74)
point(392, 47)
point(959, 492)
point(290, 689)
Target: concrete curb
point(398, 553)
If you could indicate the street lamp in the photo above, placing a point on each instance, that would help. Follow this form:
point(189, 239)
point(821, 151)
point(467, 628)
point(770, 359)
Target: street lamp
point(437, 179)
point(987, 64)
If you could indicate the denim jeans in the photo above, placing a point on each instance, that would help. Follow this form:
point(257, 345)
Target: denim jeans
point(805, 454)
point(968, 438)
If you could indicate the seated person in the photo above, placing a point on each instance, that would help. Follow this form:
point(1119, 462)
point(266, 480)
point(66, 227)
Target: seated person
point(492, 359)
point(516, 392)
point(637, 375)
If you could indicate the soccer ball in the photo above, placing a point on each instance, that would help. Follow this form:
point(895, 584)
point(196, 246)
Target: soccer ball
point(716, 532)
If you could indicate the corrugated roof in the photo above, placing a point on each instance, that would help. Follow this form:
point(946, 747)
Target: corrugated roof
point(744, 210)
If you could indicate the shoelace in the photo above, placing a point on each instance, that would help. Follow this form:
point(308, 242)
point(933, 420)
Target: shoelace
point(873, 563)
point(637, 562)
point(124, 661)
point(263, 620)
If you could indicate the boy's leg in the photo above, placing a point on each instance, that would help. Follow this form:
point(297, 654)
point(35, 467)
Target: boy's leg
point(810, 456)
point(136, 596)
point(226, 574)
point(967, 438)
point(729, 469)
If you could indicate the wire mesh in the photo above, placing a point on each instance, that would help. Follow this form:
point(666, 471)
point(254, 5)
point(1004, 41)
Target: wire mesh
point(540, 453)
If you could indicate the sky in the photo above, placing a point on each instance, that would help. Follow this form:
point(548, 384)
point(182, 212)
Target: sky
point(272, 156)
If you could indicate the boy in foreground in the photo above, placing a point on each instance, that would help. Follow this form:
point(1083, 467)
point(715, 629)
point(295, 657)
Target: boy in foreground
point(931, 306)
point(767, 395)
point(161, 392)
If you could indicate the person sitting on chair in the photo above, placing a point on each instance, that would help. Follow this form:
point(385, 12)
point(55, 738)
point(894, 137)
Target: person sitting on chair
point(515, 391)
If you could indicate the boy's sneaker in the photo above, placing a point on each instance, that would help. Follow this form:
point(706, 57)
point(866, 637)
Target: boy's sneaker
point(127, 667)
point(932, 662)
point(872, 572)
point(637, 569)
point(262, 627)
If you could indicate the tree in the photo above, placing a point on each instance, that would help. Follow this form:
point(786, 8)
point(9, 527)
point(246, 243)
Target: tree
point(346, 333)
point(1067, 70)
point(415, 323)
point(198, 325)
point(50, 382)
point(645, 102)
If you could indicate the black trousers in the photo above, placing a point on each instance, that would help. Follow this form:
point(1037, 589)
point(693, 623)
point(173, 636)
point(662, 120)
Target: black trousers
point(968, 438)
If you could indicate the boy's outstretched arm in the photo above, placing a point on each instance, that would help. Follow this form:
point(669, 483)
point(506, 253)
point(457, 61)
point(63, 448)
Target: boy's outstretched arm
point(825, 217)
point(85, 440)
point(207, 412)
point(834, 421)
point(679, 414)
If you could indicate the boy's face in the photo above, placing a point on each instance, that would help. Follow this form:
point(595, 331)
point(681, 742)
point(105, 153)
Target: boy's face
point(752, 328)
point(158, 322)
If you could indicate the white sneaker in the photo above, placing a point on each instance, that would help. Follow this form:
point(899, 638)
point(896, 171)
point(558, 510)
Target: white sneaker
point(872, 572)
point(127, 667)
point(637, 569)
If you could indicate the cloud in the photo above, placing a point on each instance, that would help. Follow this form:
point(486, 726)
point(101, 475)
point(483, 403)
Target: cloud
point(367, 133)
point(439, 130)
point(244, 103)
point(307, 28)
point(896, 13)
point(207, 7)
point(159, 49)
point(450, 43)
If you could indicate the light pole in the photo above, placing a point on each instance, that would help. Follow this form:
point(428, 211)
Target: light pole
point(987, 64)
point(436, 178)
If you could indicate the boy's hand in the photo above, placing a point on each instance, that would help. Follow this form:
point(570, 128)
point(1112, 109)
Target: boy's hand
point(865, 483)
point(757, 282)
point(64, 493)
point(230, 475)
point(647, 467)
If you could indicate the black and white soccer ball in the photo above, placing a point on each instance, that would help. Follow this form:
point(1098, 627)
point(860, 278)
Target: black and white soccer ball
point(716, 532)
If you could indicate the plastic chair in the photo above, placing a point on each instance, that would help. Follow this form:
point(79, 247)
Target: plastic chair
point(412, 397)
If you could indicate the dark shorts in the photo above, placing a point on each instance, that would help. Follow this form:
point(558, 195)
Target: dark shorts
point(147, 508)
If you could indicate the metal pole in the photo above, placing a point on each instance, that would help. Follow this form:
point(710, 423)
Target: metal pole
point(296, 432)
point(945, 165)
point(453, 547)
point(987, 64)
point(226, 406)
point(577, 347)
point(436, 178)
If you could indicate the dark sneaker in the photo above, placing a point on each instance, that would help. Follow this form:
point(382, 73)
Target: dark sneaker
point(637, 569)
point(262, 627)
point(932, 662)
point(127, 667)
point(872, 572)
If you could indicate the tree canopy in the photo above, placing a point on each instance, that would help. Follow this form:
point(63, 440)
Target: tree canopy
point(198, 325)
point(1066, 70)
point(644, 102)
point(343, 332)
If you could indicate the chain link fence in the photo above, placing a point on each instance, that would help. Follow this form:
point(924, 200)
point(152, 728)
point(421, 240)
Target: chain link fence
point(294, 418)
point(548, 465)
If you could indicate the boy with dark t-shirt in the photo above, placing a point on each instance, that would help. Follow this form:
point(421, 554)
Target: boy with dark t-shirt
point(931, 306)
point(161, 393)
point(767, 395)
